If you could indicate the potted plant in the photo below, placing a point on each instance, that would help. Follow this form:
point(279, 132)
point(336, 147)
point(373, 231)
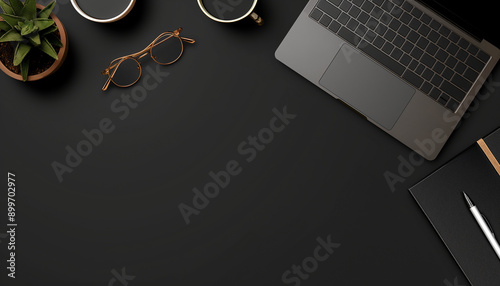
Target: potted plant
point(33, 41)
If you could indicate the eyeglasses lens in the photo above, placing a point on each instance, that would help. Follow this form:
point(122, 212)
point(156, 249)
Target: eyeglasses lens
point(127, 72)
point(167, 49)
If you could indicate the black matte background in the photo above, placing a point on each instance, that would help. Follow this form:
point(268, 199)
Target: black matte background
point(323, 175)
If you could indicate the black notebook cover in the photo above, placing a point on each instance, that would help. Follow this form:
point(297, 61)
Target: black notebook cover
point(440, 197)
point(493, 142)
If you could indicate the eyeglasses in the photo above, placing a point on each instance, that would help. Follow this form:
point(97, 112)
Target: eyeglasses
point(166, 49)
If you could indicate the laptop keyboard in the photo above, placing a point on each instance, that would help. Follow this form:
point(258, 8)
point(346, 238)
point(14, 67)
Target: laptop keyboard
point(408, 42)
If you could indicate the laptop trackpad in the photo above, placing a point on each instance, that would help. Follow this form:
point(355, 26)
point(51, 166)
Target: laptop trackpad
point(367, 87)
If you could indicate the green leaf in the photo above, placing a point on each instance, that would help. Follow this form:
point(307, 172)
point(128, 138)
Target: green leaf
point(45, 13)
point(29, 9)
point(11, 36)
point(49, 30)
point(28, 28)
point(6, 7)
point(11, 19)
point(4, 26)
point(22, 50)
point(25, 65)
point(17, 7)
point(43, 24)
point(35, 40)
point(47, 48)
point(54, 40)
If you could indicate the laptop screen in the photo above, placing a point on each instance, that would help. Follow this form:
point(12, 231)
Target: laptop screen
point(479, 17)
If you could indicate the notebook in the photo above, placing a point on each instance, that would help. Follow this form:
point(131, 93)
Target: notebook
point(440, 198)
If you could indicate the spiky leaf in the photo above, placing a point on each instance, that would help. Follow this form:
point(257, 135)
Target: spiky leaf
point(28, 28)
point(35, 40)
point(29, 9)
point(6, 7)
point(25, 66)
point(11, 36)
point(12, 20)
point(22, 51)
point(17, 7)
point(45, 13)
point(54, 40)
point(4, 26)
point(49, 30)
point(47, 48)
point(43, 24)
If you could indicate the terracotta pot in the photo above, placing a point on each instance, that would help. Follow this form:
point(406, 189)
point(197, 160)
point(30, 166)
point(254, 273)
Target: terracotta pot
point(63, 52)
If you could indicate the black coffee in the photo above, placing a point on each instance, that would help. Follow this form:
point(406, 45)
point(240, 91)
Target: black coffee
point(103, 9)
point(228, 9)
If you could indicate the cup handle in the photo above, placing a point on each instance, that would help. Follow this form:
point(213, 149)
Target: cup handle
point(257, 19)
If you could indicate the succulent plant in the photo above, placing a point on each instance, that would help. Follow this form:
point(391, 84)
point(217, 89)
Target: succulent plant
point(29, 28)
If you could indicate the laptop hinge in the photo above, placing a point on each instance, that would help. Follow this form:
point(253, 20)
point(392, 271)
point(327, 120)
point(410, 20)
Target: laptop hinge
point(453, 18)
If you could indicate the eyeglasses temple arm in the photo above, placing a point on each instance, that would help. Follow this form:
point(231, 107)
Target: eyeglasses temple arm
point(110, 76)
point(188, 40)
point(106, 85)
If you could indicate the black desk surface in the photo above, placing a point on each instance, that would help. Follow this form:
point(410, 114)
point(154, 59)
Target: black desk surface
point(116, 215)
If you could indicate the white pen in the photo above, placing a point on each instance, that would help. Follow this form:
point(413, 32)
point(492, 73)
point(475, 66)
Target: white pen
point(488, 232)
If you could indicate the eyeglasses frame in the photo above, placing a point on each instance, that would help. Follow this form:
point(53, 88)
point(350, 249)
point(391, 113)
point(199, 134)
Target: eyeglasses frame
point(115, 64)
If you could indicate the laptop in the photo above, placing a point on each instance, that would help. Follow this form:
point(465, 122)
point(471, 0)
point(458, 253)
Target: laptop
point(410, 67)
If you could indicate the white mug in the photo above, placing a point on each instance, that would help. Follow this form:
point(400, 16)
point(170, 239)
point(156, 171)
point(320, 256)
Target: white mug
point(109, 20)
point(250, 13)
